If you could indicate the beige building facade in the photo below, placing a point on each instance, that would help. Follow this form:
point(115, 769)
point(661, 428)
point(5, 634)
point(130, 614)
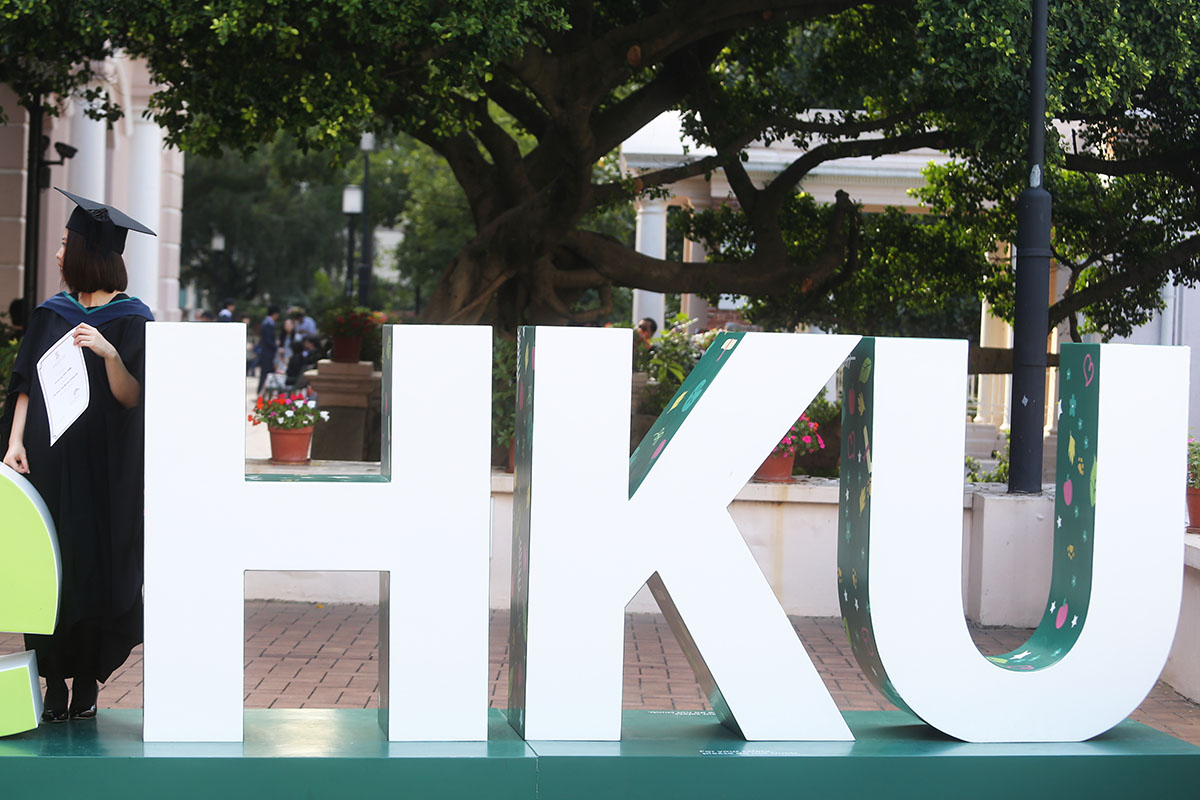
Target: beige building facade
point(126, 165)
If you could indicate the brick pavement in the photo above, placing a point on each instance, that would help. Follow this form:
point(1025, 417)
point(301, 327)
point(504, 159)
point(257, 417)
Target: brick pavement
point(311, 655)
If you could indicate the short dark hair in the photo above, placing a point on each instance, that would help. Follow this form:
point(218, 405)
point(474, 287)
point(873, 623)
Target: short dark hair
point(272, 309)
point(86, 269)
point(228, 301)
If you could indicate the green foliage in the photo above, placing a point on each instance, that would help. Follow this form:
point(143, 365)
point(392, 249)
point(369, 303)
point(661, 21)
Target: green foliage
point(673, 354)
point(9, 345)
point(1193, 459)
point(323, 71)
point(504, 390)
point(824, 411)
point(50, 49)
point(823, 461)
point(525, 99)
point(976, 473)
point(436, 221)
point(801, 439)
point(911, 275)
point(279, 210)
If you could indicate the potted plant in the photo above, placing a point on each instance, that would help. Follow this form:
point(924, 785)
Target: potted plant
point(289, 419)
point(802, 438)
point(671, 356)
point(346, 326)
point(1193, 483)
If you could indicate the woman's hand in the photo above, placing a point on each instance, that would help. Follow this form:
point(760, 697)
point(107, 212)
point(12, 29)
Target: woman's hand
point(87, 336)
point(16, 458)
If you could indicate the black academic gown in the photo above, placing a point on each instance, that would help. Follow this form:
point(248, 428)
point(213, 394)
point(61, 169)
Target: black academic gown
point(91, 480)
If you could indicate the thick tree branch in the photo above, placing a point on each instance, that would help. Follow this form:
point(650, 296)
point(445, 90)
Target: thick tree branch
point(521, 106)
point(783, 184)
point(679, 75)
point(506, 155)
point(841, 129)
point(661, 177)
point(537, 70)
point(759, 275)
point(610, 192)
point(676, 27)
point(472, 172)
point(1163, 162)
point(1073, 303)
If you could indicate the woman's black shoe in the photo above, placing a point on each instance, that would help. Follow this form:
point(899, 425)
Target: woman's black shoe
point(54, 707)
point(83, 699)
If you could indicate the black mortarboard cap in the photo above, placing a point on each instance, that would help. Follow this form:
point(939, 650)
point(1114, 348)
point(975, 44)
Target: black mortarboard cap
point(101, 226)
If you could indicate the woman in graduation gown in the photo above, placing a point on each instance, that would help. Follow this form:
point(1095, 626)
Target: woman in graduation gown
point(91, 476)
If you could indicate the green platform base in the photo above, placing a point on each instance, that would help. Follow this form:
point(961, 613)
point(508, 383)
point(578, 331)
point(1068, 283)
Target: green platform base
point(342, 754)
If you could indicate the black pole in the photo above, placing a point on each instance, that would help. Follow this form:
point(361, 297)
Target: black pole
point(349, 256)
point(1031, 315)
point(364, 275)
point(33, 205)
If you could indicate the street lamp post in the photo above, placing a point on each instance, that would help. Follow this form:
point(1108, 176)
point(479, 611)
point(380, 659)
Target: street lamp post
point(218, 247)
point(37, 177)
point(1031, 312)
point(352, 205)
point(367, 144)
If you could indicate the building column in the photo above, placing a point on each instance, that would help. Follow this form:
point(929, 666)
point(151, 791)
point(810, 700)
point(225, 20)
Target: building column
point(651, 240)
point(695, 306)
point(993, 389)
point(87, 170)
point(145, 203)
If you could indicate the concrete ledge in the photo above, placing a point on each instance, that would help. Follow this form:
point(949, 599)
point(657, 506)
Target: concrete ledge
point(666, 754)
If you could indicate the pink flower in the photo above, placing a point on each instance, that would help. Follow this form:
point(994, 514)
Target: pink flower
point(821, 441)
point(806, 439)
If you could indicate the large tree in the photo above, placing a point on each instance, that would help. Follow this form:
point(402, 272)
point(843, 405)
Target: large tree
point(580, 77)
point(50, 50)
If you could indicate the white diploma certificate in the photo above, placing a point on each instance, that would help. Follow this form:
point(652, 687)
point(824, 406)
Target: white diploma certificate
point(64, 381)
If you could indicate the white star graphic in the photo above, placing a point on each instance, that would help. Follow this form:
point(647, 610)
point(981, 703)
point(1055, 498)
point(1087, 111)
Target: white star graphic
point(1024, 400)
point(1019, 656)
point(1074, 620)
point(1060, 522)
point(1060, 407)
point(856, 604)
point(845, 595)
point(1052, 605)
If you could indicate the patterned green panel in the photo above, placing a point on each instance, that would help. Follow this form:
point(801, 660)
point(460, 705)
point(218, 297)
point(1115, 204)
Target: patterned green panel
point(1074, 513)
point(698, 380)
point(523, 463)
point(854, 514)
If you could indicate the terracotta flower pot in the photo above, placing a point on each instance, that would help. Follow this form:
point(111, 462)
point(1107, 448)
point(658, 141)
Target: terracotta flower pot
point(776, 469)
point(346, 349)
point(290, 445)
point(1193, 507)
